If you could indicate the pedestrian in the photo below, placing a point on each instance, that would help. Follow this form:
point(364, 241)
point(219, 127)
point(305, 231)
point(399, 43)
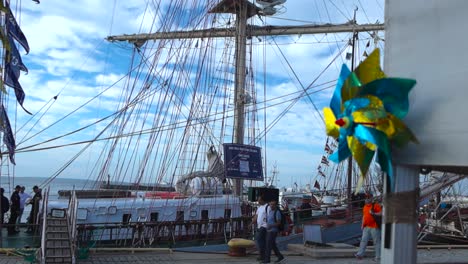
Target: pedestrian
point(273, 223)
point(305, 209)
point(23, 198)
point(14, 210)
point(5, 205)
point(259, 219)
point(34, 209)
point(370, 228)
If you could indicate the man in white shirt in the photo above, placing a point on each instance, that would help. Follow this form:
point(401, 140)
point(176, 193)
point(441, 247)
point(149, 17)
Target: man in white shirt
point(260, 220)
point(23, 197)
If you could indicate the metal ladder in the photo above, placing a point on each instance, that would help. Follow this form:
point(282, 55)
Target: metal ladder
point(58, 247)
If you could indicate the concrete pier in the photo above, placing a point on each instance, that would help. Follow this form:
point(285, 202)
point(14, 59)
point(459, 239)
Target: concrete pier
point(424, 256)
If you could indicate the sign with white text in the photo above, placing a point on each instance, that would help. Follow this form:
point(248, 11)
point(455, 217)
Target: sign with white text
point(243, 162)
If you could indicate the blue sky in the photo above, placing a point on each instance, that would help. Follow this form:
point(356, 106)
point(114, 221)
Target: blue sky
point(70, 58)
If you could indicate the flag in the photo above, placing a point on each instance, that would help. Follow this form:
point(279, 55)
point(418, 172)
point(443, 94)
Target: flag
point(11, 79)
point(322, 174)
point(325, 160)
point(14, 30)
point(8, 138)
point(317, 185)
point(328, 149)
point(14, 57)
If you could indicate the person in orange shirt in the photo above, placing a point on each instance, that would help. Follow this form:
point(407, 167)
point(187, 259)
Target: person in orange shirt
point(369, 228)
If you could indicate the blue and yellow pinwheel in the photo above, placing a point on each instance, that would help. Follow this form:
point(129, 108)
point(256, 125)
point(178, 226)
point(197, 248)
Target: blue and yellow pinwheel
point(365, 115)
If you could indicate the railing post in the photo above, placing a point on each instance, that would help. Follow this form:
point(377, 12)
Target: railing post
point(44, 225)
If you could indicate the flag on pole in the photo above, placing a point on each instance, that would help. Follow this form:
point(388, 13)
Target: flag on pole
point(14, 30)
point(8, 138)
point(11, 79)
point(317, 185)
point(13, 56)
point(328, 149)
point(325, 161)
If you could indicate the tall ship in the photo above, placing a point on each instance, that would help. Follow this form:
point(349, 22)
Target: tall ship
point(185, 138)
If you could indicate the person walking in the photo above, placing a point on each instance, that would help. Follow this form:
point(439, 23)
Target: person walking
point(5, 205)
point(14, 210)
point(23, 198)
point(273, 223)
point(370, 228)
point(259, 219)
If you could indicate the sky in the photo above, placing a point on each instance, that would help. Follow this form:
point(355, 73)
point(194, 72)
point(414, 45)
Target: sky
point(70, 59)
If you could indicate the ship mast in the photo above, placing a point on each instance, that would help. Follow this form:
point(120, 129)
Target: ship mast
point(350, 159)
point(244, 9)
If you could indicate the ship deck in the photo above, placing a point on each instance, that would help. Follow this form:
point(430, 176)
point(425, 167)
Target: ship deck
point(20, 240)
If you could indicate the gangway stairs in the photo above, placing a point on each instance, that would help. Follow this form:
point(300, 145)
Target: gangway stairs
point(58, 232)
point(58, 246)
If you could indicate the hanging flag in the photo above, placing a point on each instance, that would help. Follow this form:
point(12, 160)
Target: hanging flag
point(325, 160)
point(317, 185)
point(8, 138)
point(11, 79)
point(328, 149)
point(14, 57)
point(14, 30)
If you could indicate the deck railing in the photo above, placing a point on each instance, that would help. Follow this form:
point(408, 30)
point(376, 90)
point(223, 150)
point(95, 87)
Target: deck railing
point(71, 220)
point(45, 201)
point(169, 233)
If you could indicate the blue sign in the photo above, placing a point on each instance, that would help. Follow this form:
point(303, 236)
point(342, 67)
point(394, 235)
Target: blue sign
point(243, 162)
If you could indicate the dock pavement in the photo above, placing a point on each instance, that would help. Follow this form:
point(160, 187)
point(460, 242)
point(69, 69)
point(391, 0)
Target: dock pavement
point(424, 256)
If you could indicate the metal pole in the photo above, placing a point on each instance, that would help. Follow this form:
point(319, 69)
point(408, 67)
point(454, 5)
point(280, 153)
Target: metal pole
point(350, 159)
point(399, 243)
point(239, 90)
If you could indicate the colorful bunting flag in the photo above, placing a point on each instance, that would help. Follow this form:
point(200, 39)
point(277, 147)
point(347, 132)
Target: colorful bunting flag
point(325, 160)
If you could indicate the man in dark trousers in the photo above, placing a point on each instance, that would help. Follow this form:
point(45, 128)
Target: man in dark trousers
point(14, 210)
point(5, 205)
point(273, 223)
point(259, 219)
point(34, 209)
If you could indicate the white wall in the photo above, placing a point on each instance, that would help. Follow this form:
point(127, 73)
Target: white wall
point(427, 40)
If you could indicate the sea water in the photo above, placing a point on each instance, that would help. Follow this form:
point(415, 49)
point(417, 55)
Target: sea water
point(9, 183)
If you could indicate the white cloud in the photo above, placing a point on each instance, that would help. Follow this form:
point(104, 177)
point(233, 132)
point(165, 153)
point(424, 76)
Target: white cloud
point(70, 58)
